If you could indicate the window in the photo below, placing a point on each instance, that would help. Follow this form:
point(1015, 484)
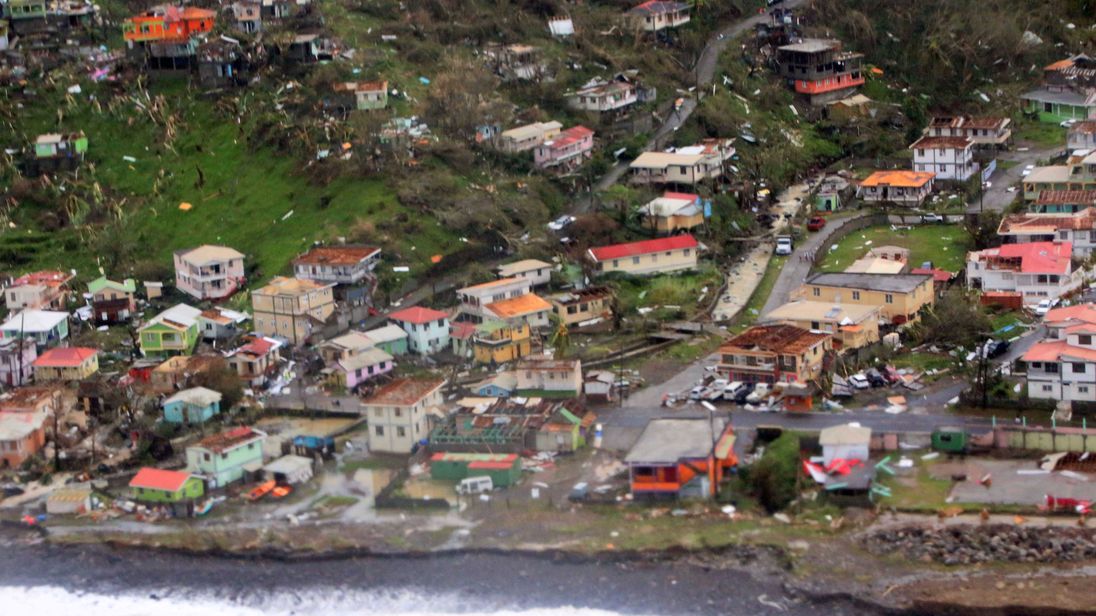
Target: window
point(1084, 339)
point(1050, 368)
point(1082, 389)
point(888, 298)
point(379, 430)
point(378, 412)
point(688, 251)
point(1078, 367)
point(400, 431)
point(398, 412)
point(817, 292)
point(1046, 388)
point(856, 295)
point(635, 260)
point(815, 325)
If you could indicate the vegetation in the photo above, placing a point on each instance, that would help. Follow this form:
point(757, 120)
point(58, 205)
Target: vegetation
point(956, 319)
point(774, 477)
point(945, 245)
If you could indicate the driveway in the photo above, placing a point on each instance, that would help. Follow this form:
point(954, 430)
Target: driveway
point(997, 198)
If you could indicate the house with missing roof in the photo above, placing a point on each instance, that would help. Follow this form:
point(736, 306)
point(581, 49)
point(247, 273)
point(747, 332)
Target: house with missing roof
point(66, 364)
point(1068, 91)
point(775, 354)
point(193, 406)
point(647, 257)
point(899, 297)
point(350, 268)
point(172, 332)
point(16, 357)
point(986, 132)
point(1074, 180)
point(900, 187)
point(44, 290)
point(398, 413)
point(220, 324)
point(1081, 136)
point(1061, 201)
point(1035, 270)
point(363, 95)
point(581, 307)
point(427, 329)
point(225, 458)
point(45, 327)
point(292, 308)
point(208, 272)
point(548, 377)
point(255, 360)
point(820, 70)
point(852, 326)
point(681, 458)
point(688, 165)
point(949, 158)
point(655, 15)
point(1078, 228)
point(612, 97)
point(673, 212)
point(498, 342)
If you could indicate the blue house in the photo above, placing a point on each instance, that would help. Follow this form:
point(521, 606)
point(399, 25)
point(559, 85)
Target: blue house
point(193, 406)
point(502, 385)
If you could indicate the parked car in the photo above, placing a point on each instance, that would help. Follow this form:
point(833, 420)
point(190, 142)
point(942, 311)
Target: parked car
point(560, 223)
point(10, 490)
point(743, 394)
point(996, 348)
point(875, 378)
point(783, 245)
point(859, 381)
point(734, 389)
point(475, 485)
point(759, 394)
point(816, 223)
point(1027, 170)
point(932, 218)
point(1045, 306)
point(696, 392)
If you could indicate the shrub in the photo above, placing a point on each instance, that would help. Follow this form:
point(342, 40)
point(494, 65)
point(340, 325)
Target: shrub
point(773, 477)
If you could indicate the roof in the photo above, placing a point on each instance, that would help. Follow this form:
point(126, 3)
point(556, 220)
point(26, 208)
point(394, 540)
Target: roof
point(1066, 97)
point(33, 321)
point(404, 392)
point(418, 315)
point(230, 439)
point(388, 333)
point(876, 265)
point(288, 465)
point(159, 479)
point(938, 275)
point(804, 310)
point(180, 316)
point(667, 441)
point(549, 364)
point(569, 136)
point(661, 160)
point(581, 295)
point(295, 287)
point(658, 6)
point(894, 283)
point(971, 122)
point(336, 255)
point(1033, 257)
point(1086, 126)
point(462, 330)
point(1031, 223)
point(1085, 313)
point(848, 434)
point(812, 46)
point(209, 254)
point(531, 130)
point(215, 316)
point(199, 396)
point(774, 339)
point(1051, 197)
point(258, 346)
point(18, 426)
point(517, 267)
point(519, 306)
point(367, 357)
point(501, 282)
point(1053, 174)
point(444, 456)
point(1056, 350)
point(941, 143)
point(361, 86)
point(64, 357)
point(632, 249)
point(28, 397)
point(899, 178)
point(47, 278)
point(673, 204)
point(355, 340)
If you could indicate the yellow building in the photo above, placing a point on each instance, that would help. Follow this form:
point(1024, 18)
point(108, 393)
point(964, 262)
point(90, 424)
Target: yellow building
point(673, 212)
point(577, 307)
point(291, 308)
point(66, 364)
point(648, 257)
point(899, 297)
point(852, 326)
point(497, 342)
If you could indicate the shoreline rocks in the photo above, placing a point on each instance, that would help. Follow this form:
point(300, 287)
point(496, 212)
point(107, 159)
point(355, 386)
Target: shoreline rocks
point(968, 544)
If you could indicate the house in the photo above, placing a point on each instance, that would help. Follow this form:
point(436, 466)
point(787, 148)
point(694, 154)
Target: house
point(881, 260)
point(498, 342)
point(363, 366)
point(819, 70)
point(514, 425)
point(367, 95)
point(615, 97)
point(273, 10)
point(427, 329)
point(680, 458)
point(983, 131)
point(16, 357)
point(255, 360)
point(175, 372)
point(549, 378)
point(1079, 229)
point(397, 413)
point(208, 272)
point(504, 469)
point(1036, 270)
point(673, 212)
point(220, 323)
point(66, 364)
point(289, 470)
point(1060, 320)
point(193, 406)
point(113, 302)
point(19, 11)
point(899, 297)
point(566, 151)
point(848, 442)
point(524, 138)
point(1070, 182)
point(310, 48)
point(583, 306)
point(1081, 136)
point(775, 354)
point(52, 145)
point(537, 272)
point(1064, 369)
point(46, 290)
point(224, 63)
point(516, 62)
point(228, 457)
point(158, 486)
point(46, 328)
point(1068, 91)
point(346, 346)
point(1062, 201)
point(530, 309)
point(647, 257)
point(685, 165)
point(391, 339)
point(22, 435)
point(852, 326)
point(474, 299)
point(899, 187)
point(461, 334)
point(563, 432)
point(341, 265)
point(172, 332)
point(246, 16)
point(598, 385)
point(292, 308)
point(941, 279)
point(47, 399)
point(167, 23)
point(950, 158)
point(655, 15)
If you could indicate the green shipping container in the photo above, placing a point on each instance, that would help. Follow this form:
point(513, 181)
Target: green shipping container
point(949, 440)
point(503, 469)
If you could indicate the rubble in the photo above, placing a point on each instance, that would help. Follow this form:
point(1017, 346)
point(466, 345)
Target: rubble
point(965, 544)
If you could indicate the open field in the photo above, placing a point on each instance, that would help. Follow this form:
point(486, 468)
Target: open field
point(944, 245)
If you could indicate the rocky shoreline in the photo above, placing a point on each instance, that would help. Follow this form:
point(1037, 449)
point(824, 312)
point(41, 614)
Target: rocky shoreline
point(966, 545)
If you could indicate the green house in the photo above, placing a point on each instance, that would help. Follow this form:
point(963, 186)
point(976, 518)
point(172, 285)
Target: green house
point(154, 485)
point(1057, 106)
point(172, 332)
point(27, 9)
point(73, 145)
point(391, 339)
point(226, 457)
point(827, 201)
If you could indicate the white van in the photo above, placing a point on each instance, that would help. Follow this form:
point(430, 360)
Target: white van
point(475, 485)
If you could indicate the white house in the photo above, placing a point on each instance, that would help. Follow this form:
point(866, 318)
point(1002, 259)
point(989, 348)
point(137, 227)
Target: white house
point(950, 158)
point(982, 130)
point(553, 376)
point(427, 329)
point(686, 165)
point(1081, 136)
point(655, 15)
point(1078, 228)
point(1036, 270)
point(537, 272)
point(604, 96)
point(474, 299)
point(398, 413)
point(1064, 369)
point(848, 442)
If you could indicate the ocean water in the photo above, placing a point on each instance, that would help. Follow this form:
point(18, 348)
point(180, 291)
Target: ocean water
point(58, 601)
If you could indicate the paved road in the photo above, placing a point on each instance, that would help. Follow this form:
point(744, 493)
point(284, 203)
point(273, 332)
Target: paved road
point(997, 198)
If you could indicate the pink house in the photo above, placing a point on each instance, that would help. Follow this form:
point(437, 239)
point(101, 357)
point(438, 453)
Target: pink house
point(209, 272)
point(566, 151)
point(370, 363)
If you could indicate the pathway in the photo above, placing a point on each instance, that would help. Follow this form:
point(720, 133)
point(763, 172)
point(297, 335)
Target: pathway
point(998, 197)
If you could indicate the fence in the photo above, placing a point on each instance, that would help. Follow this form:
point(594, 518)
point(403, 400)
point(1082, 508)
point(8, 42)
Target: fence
point(1044, 439)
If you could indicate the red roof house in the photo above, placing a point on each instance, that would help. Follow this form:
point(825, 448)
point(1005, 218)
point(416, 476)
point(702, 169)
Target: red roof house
point(663, 255)
point(418, 315)
point(66, 364)
point(159, 479)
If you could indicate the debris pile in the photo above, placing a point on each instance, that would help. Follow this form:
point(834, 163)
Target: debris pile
point(964, 544)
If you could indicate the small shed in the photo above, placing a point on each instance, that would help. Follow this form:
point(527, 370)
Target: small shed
point(949, 439)
point(289, 470)
point(847, 442)
point(504, 469)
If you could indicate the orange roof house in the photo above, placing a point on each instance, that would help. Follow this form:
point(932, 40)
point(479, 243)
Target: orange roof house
point(680, 458)
point(529, 308)
point(897, 186)
point(168, 23)
point(66, 364)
